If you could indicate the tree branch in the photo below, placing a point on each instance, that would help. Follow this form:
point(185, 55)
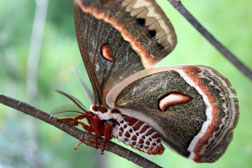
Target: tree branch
point(85, 137)
point(223, 50)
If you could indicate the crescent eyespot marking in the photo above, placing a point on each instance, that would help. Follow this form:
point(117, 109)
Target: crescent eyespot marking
point(206, 131)
point(173, 99)
point(105, 51)
point(146, 59)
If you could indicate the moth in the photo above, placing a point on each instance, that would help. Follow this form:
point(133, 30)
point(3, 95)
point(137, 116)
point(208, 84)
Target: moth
point(189, 107)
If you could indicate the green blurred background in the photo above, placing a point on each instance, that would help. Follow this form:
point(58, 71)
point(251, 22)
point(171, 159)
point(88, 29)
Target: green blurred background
point(27, 142)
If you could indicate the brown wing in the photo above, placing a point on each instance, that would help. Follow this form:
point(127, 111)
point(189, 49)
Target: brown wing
point(120, 37)
point(190, 106)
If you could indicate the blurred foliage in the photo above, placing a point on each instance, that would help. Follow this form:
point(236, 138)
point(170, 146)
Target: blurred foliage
point(21, 136)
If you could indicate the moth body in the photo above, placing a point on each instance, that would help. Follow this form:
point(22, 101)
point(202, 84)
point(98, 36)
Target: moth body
point(130, 131)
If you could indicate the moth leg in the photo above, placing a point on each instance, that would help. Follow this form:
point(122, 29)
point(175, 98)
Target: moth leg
point(96, 125)
point(107, 134)
point(77, 145)
point(82, 116)
point(68, 120)
point(85, 127)
point(74, 121)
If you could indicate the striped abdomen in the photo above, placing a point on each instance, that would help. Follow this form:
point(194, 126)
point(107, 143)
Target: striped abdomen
point(138, 135)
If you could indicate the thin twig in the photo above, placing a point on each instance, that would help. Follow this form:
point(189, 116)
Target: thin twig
point(223, 50)
point(32, 71)
point(85, 137)
point(34, 50)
